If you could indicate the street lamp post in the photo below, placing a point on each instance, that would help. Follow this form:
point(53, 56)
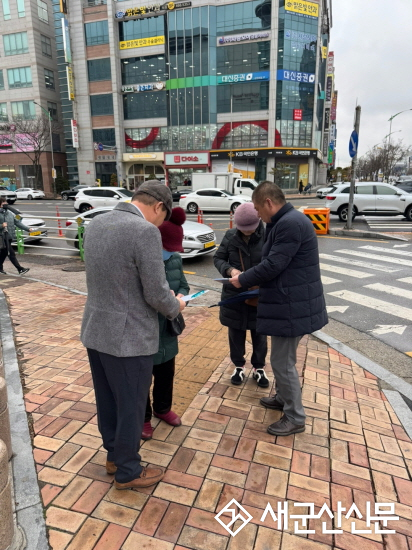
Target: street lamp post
point(51, 147)
point(390, 121)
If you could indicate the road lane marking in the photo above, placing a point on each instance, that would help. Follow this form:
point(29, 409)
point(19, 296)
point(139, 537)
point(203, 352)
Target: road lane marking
point(373, 303)
point(387, 329)
point(329, 280)
point(339, 309)
point(350, 239)
point(394, 290)
point(406, 280)
point(387, 250)
point(399, 261)
point(359, 263)
point(344, 271)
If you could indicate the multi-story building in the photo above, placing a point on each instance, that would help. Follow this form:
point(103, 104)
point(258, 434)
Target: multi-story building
point(200, 85)
point(29, 86)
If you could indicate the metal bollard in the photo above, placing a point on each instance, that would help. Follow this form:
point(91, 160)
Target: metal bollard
point(230, 220)
point(6, 507)
point(4, 418)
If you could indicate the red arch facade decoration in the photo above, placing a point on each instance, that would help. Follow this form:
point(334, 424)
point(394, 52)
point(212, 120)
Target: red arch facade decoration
point(141, 144)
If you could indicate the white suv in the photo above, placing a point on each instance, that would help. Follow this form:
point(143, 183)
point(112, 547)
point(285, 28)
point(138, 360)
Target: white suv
point(94, 197)
point(373, 198)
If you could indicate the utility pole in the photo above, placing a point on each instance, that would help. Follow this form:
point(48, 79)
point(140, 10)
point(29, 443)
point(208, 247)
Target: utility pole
point(354, 165)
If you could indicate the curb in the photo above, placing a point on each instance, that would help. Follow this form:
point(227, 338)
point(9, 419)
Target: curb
point(29, 507)
point(366, 234)
point(403, 412)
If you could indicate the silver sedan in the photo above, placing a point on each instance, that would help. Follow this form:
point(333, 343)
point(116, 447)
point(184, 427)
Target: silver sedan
point(198, 239)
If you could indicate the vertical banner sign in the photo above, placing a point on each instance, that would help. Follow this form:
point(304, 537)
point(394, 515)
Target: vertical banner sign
point(70, 83)
point(329, 87)
point(75, 134)
point(331, 60)
point(324, 52)
point(334, 106)
point(327, 119)
point(66, 41)
point(297, 114)
point(63, 6)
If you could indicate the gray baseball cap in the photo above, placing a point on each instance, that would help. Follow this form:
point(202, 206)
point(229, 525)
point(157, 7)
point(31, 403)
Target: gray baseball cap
point(160, 192)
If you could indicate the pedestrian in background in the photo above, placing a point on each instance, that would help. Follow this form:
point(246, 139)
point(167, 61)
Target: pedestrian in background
point(300, 187)
point(291, 300)
point(164, 361)
point(241, 249)
point(8, 224)
point(127, 286)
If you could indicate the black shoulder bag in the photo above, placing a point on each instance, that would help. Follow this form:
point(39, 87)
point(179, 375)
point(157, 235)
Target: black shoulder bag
point(176, 326)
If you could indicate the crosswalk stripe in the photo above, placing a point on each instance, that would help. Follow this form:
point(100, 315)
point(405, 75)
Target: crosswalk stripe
point(359, 263)
point(406, 280)
point(399, 261)
point(329, 280)
point(373, 303)
point(344, 271)
point(388, 250)
point(394, 290)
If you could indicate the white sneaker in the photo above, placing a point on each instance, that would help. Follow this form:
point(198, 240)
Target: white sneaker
point(238, 376)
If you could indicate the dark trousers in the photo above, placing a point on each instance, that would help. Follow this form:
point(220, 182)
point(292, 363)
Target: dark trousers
point(162, 389)
point(4, 252)
point(237, 343)
point(121, 386)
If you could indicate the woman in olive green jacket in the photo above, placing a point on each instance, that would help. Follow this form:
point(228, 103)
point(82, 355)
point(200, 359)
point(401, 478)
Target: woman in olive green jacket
point(164, 360)
point(8, 224)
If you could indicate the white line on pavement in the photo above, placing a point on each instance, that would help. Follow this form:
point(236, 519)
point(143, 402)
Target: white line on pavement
point(399, 261)
point(394, 290)
point(406, 280)
point(373, 303)
point(329, 280)
point(344, 271)
point(387, 250)
point(359, 263)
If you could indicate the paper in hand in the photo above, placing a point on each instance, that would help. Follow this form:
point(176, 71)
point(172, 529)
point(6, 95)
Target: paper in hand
point(222, 279)
point(193, 296)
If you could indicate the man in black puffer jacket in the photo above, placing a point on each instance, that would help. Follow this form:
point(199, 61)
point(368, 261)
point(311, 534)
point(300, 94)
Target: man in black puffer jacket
point(291, 300)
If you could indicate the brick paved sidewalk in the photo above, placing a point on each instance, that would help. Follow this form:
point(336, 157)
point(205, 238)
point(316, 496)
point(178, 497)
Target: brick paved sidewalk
point(354, 449)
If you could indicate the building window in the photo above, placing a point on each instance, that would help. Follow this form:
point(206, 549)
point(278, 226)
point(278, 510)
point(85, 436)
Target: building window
point(145, 105)
point(16, 43)
point(3, 112)
point(96, 33)
point(42, 11)
point(246, 16)
point(52, 108)
point(46, 46)
point(105, 136)
point(243, 58)
point(99, 69)
point(49, 79)
point(1, 81)
point(23, 109)
point(20, 77)
point(101, 104)
point(141, 28)
point(104, 170)
point(139, 70)
point(6, 10)
point(21, 10)
point(239, 98)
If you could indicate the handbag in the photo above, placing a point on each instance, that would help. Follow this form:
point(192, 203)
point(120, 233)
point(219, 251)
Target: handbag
point(176, 326)
point(250, 301)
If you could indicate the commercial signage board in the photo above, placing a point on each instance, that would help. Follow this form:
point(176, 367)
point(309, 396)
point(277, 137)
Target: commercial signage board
point(70, 83)
point(301, 7)
point(66, 41)
point(301, 40)
point(326, 123)
point(154, 87)
point(331, 61)
point(249, 37)
point(63, 6)
point(243, 77)
point(334, 106)
point(153, 10)
point(181, 159)
point(297, 114)
point(295, 76)
point(329, 88)
point(325, 144)
point(324, 52)
point(75, 133)
point(141, 42)
point(20, 142)
point(280, 152)
point(149, 157)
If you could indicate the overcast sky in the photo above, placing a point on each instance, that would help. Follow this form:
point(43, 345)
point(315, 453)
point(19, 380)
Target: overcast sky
point(372, 41)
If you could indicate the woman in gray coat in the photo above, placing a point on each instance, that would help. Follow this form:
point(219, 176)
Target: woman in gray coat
point(240, 250)
point(8, 224)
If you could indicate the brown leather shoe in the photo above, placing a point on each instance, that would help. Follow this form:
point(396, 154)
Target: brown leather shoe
point(111, 468)
point(285, 427)
point(148, 477)
point(271, 403)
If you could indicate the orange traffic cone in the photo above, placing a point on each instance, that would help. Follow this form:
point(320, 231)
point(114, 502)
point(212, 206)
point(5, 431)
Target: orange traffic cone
point(230, 220)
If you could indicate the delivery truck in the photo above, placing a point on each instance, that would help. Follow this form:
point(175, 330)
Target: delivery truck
point(224, 180)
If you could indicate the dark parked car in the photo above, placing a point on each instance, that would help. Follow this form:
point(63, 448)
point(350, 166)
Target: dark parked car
point(71, 193)
point(405, 185)
point(177, 194)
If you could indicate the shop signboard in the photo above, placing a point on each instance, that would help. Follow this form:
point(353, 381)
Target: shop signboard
point(75, 133)
point(326, 123)
point(141, 42)
point(66, 41)
point(153, 87)
point(280, 152)
point(334, 106)
point(19, 142)
point(70, 82)
point(331, 61)
point(148, 157)
point(329, 88)
point(182, 159)
point(297, 114)
point(303, 8)
point(301, 40)
point(249, 37)
point(243, 77)
point(296, 76)
point(153, 10)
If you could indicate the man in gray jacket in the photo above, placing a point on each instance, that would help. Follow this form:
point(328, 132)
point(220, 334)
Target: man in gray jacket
point(126, 288)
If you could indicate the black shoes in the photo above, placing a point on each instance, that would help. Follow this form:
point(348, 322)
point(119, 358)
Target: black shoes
point(271, 403)
point(285, 427)
point(24, 270)
point(3, 272)
point(260, 376)
point(238, 376)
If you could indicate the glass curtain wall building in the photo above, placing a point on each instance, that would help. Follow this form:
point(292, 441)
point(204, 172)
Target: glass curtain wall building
point(242, 82)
